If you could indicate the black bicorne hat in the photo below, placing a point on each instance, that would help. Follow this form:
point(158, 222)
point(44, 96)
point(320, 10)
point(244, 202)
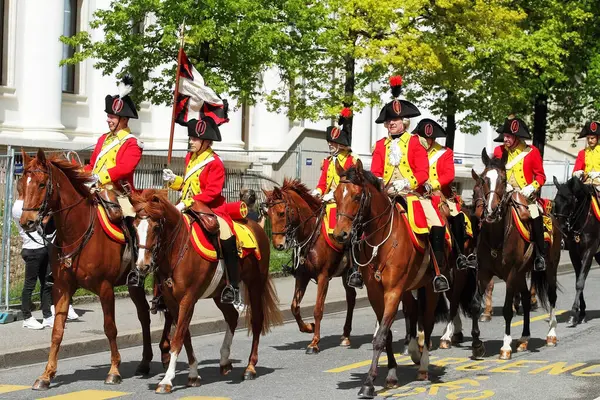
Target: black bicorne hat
point(121, 104)
point(429, 129)
point(205, 128)
point(514, 126)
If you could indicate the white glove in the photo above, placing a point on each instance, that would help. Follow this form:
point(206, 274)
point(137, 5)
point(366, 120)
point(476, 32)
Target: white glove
point(93, 182)
point(509, 188)
point(328, 197)
point(578, 173)
point(594, 175)
point(169, 176)
point(180, 207)
point(400, 185)
point(315, 193)
point(528, 190)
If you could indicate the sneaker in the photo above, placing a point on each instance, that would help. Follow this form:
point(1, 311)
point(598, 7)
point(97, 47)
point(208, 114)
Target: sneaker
point(32, 323)
point(48, 322)
point(72, 315)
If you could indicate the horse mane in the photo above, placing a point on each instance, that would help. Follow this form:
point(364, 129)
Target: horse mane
point(293, 185)
point(352, 175)
point(496, 163)
point(74, 172)
point(153, 202)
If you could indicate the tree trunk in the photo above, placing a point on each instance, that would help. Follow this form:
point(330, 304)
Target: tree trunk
point(349, 84)
point(450, 119)
point(540, 119)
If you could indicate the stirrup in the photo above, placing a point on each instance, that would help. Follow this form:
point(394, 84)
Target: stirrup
point(229, 295)
point(440, 284)
point(539, 264)
point(157, 304)
point(49, 280)
point(135, 279)
point(472, 261)
point(461, 262)
point(355, 280)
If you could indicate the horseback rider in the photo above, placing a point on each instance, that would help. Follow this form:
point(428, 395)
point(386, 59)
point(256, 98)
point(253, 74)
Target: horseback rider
point(339, 141)
point(400, 161)
point(525, 173)
point(115, 157)
point(204, 180)
point(441, 176)
point(587, 163)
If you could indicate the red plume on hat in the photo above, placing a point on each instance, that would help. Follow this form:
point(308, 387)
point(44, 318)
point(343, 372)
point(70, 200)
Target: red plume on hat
point(396, 85)
point(345, 115)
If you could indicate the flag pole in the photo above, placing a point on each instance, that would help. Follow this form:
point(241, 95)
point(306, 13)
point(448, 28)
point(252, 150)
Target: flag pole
point(173, 114)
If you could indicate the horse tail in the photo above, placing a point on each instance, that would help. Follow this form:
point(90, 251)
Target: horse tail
point(442, 312)
point(467, 296)
point(539, 281)
point(269, 307)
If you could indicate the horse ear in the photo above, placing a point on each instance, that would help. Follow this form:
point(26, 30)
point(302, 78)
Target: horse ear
point(484, 157)
point(338, 168)
point(474, 175)
point(25, 156)
point(267, 193)
point(359, 166)
point(41, 156)
point(276, 193)
point(555, 182)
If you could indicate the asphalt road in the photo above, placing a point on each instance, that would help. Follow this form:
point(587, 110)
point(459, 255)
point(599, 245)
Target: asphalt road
point(569, 371)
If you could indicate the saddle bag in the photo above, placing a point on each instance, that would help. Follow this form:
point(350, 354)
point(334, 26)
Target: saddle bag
point(205, 217)
point(109, 201)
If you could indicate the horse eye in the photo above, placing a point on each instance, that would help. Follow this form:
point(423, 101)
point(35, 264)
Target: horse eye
point(42, 185)
point(281, 214)
point(356, 197)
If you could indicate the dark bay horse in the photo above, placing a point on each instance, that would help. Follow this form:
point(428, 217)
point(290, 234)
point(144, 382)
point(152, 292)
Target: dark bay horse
point(580, 229)
point(391, 268)
point(186, 277)
point(83, 255)
point(503, 252)
point(296, 219)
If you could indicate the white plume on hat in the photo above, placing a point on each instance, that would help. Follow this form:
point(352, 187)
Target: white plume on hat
point(125, 86)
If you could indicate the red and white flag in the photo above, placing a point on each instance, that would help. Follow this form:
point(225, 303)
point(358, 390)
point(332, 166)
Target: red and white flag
point(195, 99)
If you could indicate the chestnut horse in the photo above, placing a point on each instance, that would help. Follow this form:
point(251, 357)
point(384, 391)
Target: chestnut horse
point(579, 228)
point(391, 267)
point(296, 218)
point(185, 277)
point(503, 252)
point(82, 256)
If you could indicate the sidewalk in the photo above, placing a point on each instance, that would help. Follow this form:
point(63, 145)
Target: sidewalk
point(20, 346)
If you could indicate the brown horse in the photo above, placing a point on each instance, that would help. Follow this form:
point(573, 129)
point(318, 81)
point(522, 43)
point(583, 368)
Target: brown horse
point(391, 266)
point(503, 252)
point(186, 277)
point(82, 256)
point(296, 218)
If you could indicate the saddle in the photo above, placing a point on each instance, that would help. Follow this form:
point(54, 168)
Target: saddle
point(205, 217)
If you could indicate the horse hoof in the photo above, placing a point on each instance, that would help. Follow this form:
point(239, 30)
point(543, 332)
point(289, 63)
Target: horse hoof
point(41, 384)
point(194, 382)
point(225, 369)
point(142, 369)
point(345, 342)
point(458, 338)
point(522, 347)
point(422, 376)
point(391, 383)
point(249, 375)
point(478, 351)
point(551, 341)
point(312, 350)
point(485, 318)
point(445, 344)
point(366, 392)
point(163, 389)
point(505, 354)
point(113, 379)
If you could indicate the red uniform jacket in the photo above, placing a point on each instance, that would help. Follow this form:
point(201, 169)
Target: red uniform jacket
point(417, 159)
point(533, 166)
point(212, 180)
point(128, 157)
point(322, 185)
point(580, 161)
point(445, 172)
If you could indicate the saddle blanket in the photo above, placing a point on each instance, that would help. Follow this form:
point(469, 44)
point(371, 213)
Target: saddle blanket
point(114, 232)
point(246, 242)
point(416, 223)
point(328, 225)
point(595, 207)
point(524, 231)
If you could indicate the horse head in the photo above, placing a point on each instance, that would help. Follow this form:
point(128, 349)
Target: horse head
point(290, 208)
point(491, 186)
point(352, 197)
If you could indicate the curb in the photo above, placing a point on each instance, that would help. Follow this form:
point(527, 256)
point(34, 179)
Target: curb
point(134, 338)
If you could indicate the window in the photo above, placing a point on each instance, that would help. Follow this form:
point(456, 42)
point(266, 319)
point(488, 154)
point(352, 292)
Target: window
point(69, 29)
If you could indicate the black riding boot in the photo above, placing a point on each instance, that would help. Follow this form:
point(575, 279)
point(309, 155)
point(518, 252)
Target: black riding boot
point(458, 231)
point(537, 231)
point(231, 292)
point(355, 279)
point(437, 239)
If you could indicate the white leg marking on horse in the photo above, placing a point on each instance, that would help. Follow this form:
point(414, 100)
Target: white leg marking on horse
point(376, 328)
point(142, 231)
point(552, 323)
point(170, 374)
point(507, 343)
point(391, 375)
point(492, 175)
point(424, 365)
point(449, 331)
point(194, 369)
point(413, 348)
point(421, 338)
point(226, 347)
point(28, 180)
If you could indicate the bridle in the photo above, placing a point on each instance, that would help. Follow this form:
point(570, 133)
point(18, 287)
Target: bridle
point(289, 230)
point(574, 216)
point(156, 249)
